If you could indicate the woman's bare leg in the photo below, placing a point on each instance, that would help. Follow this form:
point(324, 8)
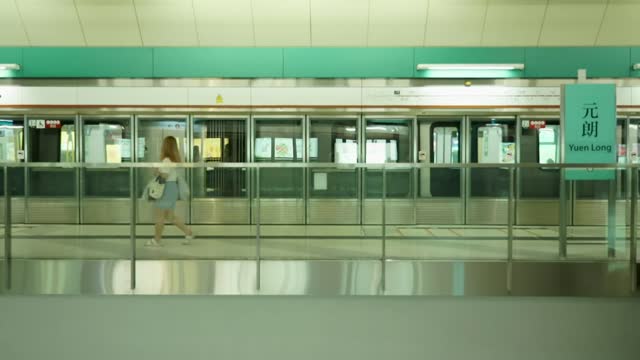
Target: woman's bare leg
point(179, 223)
point(159, 215)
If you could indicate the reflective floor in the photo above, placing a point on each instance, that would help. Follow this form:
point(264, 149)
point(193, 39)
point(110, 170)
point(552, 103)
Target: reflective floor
point(317, 242)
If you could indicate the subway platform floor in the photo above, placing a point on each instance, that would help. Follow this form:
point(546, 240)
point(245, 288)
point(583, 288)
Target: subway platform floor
point(310, 242)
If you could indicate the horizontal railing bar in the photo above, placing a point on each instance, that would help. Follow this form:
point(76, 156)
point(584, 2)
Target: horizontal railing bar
point(326, 166)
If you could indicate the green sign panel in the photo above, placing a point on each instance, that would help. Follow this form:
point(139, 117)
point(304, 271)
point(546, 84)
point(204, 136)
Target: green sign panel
point(589, 118)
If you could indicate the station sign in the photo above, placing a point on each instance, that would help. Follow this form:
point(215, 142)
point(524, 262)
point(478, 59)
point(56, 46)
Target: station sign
point(589, 120)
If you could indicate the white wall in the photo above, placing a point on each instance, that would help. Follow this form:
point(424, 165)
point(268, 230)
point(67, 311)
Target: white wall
point(152, 327)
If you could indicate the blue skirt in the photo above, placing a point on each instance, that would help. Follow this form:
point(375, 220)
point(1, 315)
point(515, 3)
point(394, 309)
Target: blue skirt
point(169, 196)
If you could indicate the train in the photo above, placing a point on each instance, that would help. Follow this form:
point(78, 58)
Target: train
point(393, 122)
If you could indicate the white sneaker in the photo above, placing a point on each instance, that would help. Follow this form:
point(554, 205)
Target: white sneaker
point(187, 239)
point(152, 242)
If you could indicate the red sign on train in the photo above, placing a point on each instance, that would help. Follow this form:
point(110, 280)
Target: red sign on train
point(537, 124)
point(52, 124)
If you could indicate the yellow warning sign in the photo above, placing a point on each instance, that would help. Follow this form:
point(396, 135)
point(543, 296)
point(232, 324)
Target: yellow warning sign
point(219, 99)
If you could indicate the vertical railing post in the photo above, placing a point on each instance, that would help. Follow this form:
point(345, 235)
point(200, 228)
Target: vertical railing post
point(258, 241)
point(562, 243)
point(611, 218)
point(383, 280)
point(510, 221)
point(132, 221)
point(633, 232)
point(7, 227)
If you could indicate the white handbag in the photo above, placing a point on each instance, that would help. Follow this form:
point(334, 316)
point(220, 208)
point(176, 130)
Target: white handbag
point(156, 188)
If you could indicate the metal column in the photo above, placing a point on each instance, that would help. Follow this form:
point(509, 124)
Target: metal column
point(633, 231)
point(132, 225)
point(562, 231)
point(258, 241)
point(611, 217)
point(510, 221)
point(7, 227)
point(383, 280)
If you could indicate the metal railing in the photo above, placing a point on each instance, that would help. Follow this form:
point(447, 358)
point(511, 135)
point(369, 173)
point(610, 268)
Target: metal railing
point(383, 168)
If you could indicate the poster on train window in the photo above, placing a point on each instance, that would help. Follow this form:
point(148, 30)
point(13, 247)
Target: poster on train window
point(114, 156)
point(313, 148)
point(299, 148)
point(125, 148)
point(376, 151)
point(392, 151)
point(283, 148)
point(589, 118)
point(142, 147)
point(508, 153)
point(263, 148)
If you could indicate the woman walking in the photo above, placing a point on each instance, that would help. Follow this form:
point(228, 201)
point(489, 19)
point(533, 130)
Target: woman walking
point(164, 207)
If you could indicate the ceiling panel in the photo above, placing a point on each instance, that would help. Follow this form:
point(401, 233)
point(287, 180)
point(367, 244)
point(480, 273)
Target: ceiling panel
point(11, 30)
point(109, 22)
point(51, 22)
point(167, 22)
point(621, 18)
point(339, 22)
point(224, 22)
point(513, 22)
point(281, 22)
point(397, 22)
point(568, 23)
point(455, 22)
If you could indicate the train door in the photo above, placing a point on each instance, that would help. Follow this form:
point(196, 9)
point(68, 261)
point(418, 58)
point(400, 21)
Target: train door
point(105, 192)
point(591, 197)
point(333, 193)
point(52, 193)
point(440, 199)
point(151, 131)
point(492, 141)
point(280, 139)
point(389, 140)
point(538, 188)
point(220, 195)
point(12, 151)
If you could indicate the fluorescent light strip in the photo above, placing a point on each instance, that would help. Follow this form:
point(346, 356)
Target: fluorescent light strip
point(636, 66)
point(9, 67)
point(470, 66)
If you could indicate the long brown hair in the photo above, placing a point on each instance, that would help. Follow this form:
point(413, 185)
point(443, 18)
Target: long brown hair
point(170, 149)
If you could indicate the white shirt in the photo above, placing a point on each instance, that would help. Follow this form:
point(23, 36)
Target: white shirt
point(171, 174)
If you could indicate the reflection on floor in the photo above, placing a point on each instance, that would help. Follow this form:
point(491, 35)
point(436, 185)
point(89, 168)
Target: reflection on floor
point(316, 242)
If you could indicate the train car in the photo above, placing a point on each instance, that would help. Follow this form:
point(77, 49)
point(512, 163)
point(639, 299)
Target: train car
point(453, 134)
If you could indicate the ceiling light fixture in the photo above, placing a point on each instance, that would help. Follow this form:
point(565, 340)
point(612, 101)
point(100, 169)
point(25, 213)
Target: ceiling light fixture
point(10, 67)
point(470, 67)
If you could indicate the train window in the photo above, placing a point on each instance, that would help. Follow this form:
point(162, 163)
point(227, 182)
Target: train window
point(634, 141)
point(12, 150)
point(219, 140)
point(494, 146)
point(279, 140)
point(388, 140)
point(439, 143)
point(106, 140)
point(446, 145)
point(333, 140)
point(52, 139)
point(151, 133)
point(492, 141)
point(548, 145)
